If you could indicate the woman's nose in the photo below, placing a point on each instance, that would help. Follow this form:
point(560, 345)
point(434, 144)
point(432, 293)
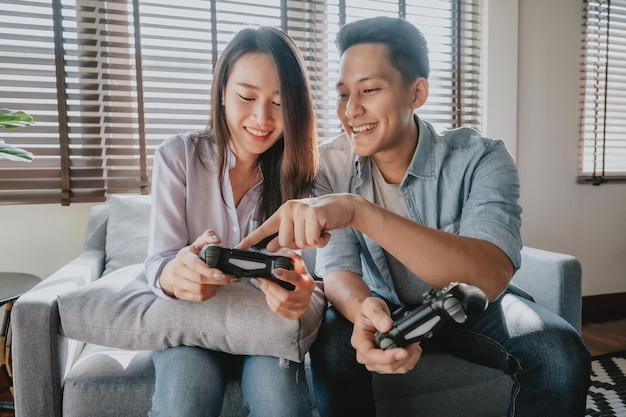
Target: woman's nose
point(262, 112)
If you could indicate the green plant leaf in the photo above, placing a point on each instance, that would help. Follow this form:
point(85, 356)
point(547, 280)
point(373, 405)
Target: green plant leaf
point(13, 153)
point(13, 119)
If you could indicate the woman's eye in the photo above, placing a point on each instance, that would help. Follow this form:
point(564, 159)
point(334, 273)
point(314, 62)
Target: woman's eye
point(276, 104)
point(245, 98)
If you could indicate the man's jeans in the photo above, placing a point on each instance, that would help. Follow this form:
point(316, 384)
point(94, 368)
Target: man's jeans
point(544, 355)
point(190, 381)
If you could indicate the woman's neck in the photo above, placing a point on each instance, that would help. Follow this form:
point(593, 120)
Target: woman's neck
point(243, 176)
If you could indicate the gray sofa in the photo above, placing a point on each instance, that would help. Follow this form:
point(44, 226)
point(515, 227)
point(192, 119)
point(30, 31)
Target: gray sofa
point(54, 376)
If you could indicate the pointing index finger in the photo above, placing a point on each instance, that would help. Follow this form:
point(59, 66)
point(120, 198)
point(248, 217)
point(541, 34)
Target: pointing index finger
point(268, 228)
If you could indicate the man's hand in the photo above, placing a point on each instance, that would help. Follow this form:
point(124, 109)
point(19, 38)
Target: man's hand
point(373, 317)
point(289, 304)
point(305, 223)
point(187, 277)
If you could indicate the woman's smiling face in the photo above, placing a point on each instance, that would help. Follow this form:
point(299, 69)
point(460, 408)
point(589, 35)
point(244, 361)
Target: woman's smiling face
point(252, 105)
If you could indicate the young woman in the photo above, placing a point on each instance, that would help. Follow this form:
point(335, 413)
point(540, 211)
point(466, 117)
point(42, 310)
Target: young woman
point(216, 186)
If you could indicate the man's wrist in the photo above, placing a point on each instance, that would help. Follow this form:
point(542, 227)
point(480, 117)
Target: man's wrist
point(361, 213)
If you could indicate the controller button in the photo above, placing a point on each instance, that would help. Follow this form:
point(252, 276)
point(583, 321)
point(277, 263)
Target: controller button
point(424, 329)
point(387, 344)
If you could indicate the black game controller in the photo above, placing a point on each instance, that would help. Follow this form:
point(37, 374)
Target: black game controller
point(457, 301)
point(246, 264)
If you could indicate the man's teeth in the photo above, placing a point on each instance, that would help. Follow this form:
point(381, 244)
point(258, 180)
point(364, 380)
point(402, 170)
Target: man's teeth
point(257, 132)
point(364, 127)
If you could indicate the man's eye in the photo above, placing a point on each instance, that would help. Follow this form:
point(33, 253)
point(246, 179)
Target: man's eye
point(342, 96)
point(370, 90)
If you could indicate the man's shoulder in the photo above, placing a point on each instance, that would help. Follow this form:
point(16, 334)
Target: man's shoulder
point(336, 152)
point(465, 137)
point(336, 165)
point(340, 143)
point(457, 150)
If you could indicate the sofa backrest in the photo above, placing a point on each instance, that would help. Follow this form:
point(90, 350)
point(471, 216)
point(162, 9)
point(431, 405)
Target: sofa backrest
point(127, 231)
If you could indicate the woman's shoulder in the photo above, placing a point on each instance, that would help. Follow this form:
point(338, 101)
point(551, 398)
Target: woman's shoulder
point(183, 143)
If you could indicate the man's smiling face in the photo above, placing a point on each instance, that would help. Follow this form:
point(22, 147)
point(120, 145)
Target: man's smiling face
point(374, 103)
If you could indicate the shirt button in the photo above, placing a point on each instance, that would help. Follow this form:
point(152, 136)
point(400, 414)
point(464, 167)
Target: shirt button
point(234, 229)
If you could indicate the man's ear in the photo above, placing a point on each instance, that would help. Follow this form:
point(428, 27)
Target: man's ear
point(420, 92)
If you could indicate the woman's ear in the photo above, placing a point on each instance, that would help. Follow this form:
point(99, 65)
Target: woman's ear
point(420, 92)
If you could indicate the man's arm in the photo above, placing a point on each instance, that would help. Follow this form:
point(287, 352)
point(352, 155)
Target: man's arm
point(435, 256)
point(346, 291)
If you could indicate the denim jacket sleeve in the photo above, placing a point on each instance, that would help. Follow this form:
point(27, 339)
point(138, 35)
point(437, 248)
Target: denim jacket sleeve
point(336, 176)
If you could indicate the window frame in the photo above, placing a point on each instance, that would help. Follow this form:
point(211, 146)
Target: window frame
point(602, 136)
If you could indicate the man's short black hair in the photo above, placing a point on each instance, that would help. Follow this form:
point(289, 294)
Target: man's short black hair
point(408, 50)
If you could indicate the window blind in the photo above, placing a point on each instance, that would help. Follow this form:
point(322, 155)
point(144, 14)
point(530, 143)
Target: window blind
point(108, 80)
point(602, 142)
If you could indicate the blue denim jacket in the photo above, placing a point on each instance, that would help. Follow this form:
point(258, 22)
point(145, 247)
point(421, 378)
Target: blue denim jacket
point(458, 181)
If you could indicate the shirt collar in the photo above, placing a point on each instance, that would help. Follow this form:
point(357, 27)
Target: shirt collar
point(423, 163)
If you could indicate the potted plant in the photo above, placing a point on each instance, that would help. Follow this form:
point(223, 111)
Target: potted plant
point(13, 119)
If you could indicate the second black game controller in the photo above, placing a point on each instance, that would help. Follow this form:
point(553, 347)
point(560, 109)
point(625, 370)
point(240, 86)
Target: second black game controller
point(246, 264)
point(455, 302)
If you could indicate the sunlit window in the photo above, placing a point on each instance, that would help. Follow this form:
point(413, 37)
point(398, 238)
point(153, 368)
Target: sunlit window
point(107, 81)
point(602, 142)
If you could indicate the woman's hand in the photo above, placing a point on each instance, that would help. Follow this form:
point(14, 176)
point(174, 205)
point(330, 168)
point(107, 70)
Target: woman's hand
point(289, 304)
point(187, 277)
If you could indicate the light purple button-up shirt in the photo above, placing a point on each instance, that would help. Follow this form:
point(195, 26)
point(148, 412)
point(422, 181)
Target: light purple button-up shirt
point(186, 201)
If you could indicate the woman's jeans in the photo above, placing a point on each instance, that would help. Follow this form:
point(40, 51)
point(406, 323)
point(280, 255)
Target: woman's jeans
point(544, 355)
point(190, 381)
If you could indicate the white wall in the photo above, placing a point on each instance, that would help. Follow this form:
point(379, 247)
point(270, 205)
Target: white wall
point(500, 72)
point(40, 238)
point(537, 116)
point(559, 214)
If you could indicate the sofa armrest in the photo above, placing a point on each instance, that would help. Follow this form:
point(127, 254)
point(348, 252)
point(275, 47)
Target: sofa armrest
point(41, 355)
point(554, 280)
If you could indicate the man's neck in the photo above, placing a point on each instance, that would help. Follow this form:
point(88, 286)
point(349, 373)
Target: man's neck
point(394, 163)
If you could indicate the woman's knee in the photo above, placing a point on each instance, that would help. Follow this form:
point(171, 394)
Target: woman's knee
point(188, 379)
point(276, 387)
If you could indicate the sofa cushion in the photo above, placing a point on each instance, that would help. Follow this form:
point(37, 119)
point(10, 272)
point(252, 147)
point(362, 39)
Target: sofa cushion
point(127, 231)
point(121, 311)
point(112, 382)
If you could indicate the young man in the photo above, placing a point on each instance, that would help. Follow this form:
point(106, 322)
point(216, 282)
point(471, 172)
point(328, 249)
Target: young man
point(410, 209)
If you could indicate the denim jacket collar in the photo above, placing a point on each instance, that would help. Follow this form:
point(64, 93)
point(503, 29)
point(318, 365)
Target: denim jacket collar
point(423, 163)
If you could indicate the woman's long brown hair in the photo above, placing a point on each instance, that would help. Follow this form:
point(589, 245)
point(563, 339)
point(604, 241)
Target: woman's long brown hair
point(290, 165)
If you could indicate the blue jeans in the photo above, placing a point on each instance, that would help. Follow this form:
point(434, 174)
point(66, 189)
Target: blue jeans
point(545, 356)
point(190, 381)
